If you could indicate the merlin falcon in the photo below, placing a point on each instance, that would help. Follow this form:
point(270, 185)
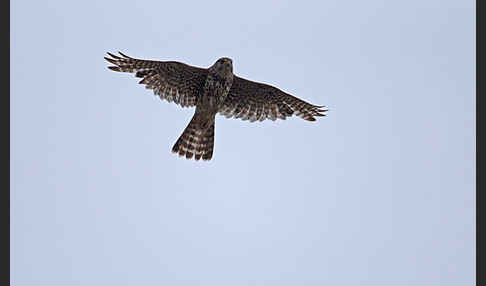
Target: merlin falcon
point(213, 90)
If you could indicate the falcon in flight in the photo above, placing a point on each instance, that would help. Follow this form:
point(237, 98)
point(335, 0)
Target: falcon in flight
point(212, 90)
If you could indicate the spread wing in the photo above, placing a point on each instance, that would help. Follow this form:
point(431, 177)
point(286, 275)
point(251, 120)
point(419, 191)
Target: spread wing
point(254, 101)
point(172, 81)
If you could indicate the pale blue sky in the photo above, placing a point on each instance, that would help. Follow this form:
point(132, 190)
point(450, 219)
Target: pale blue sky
point(380, 192)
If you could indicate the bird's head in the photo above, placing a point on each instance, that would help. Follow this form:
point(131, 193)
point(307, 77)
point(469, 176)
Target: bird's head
point(222, 67)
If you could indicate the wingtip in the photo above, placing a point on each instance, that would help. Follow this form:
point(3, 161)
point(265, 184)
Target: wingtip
point(111, 60)
point(113, 56)
point(123, 55)
point(309, 118)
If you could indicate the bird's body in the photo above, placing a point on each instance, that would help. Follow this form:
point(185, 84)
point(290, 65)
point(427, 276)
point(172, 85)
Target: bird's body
point(198, 137)
point(213, 90)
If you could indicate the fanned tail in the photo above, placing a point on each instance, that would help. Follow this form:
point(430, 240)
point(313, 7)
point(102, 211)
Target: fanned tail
point(195, 141)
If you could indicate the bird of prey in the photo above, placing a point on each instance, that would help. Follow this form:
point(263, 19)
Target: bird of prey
point(212, 90)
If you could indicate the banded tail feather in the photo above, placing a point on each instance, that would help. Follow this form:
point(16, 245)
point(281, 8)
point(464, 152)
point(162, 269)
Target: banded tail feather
point(195, 141)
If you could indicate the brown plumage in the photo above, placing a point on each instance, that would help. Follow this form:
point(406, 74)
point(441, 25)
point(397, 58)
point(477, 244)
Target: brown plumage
point(213, 90)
